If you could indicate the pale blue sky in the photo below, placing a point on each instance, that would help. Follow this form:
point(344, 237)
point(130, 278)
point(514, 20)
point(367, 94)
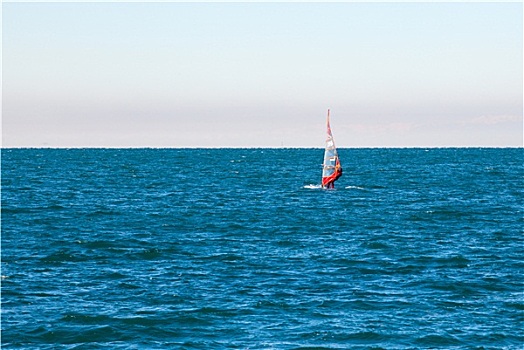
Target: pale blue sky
point(262, 75)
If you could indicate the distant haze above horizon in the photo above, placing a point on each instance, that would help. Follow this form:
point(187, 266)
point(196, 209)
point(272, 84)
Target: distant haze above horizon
point(262, 74)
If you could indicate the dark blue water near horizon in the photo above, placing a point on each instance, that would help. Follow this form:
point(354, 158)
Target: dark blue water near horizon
point(240, 249)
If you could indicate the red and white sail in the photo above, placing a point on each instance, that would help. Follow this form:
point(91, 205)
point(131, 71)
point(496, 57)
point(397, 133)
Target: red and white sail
point(331, 169)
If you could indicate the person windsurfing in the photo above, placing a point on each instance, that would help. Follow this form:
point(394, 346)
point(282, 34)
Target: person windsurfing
point(331, 168)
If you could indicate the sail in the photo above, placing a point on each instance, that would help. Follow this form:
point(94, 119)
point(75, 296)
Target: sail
point(331, 169)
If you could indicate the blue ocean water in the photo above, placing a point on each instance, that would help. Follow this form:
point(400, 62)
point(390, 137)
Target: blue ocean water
point(237, 248)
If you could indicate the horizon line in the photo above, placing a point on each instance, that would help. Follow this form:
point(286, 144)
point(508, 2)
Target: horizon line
point(254, 147)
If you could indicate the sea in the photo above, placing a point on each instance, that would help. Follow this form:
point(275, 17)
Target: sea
point(241, 249)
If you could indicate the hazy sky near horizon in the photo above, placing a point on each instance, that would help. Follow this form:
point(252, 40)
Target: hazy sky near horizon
point(262, 74)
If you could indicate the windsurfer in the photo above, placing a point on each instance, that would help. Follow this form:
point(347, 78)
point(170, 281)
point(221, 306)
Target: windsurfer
point(331, 169)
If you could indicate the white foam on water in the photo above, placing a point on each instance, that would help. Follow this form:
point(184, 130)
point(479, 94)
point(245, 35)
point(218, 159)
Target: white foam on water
point(354, 187)
point(313, 187)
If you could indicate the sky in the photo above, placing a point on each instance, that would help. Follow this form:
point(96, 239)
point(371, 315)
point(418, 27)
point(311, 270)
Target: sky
point(201, 74)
